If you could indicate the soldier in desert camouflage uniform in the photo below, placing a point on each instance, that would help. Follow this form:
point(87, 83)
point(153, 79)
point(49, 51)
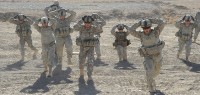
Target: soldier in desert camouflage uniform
point(184, 34)
point(197, 29)
point(121, 41)
point(62, 33)
point(98, 21)
point(23, 30)
point(86, 40)
point(151, 48)
point(45, 27)
point(51, 8)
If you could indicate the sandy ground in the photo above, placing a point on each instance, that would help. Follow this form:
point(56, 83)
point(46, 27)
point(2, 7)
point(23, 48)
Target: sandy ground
point(111, 78)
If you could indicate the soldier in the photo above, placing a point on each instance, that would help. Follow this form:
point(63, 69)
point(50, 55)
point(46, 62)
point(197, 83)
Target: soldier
point(121, 41)
point(186, 27)
point(151, 48)
point(48, 42)
point(197, 29)
point(23, 30)
point(101, 22)
point(86, 40)
point(62, 33)
point(53, 7)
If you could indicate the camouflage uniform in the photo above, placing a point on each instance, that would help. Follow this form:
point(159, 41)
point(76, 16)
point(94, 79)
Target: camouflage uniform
point(101, 22)
point(48, 43)
point(152, 55)
point(51, 8)
point(121, 42)
point(86, 41)
point(23, 30)
point(62, 34)
point(197, 29)
point(185, 36)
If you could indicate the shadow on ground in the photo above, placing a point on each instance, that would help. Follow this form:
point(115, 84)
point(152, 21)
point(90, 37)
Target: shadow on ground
point(16, 66)
point(42, 83)
point(124, 65)
point(194, 66)
point(98, 63)
point(86, 90)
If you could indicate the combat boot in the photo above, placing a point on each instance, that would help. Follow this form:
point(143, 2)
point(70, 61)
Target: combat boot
point(81, 79)
point(49, 72)
point(98, 58)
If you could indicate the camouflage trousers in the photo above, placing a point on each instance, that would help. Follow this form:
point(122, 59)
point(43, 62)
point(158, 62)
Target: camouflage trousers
point(187, 45)
point(60, 43)
point(152, 65)
point(22, 42)
point(89, 53)
point(98, 50)
point(48, 54)
point(122, 52)
point(197, 30)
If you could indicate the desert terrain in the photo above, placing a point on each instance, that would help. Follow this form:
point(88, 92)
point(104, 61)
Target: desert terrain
point(177, 76)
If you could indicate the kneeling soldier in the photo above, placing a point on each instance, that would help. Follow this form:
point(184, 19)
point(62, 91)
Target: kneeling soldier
point(121, 41)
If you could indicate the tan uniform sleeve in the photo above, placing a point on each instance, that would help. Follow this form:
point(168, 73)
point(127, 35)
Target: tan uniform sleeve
point(54, 22)
point(53, 13)
point(128, 30)
point(178, 23)
point(29, 21)
point(36, 25)
point(133, 30)
point(78, 26)
point(72, 16)
point(103, 22)
point(46, 10)
point(160, 23)
point(113, 32)
point(12, 20)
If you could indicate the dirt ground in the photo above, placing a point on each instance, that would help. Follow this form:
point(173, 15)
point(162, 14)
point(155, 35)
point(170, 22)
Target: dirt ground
point(110, 77)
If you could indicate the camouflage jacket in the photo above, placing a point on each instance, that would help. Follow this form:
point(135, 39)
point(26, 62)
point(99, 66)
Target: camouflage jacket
point(47, 35)
point(47, 10)
point(86, 33)
point(153, 38)
point(22, 27)
point(63, 26)
point(101, 22)
point(184, 29)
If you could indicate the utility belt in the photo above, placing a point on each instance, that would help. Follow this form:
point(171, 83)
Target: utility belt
point(63, 32)
point(123, 43)
point(23, 33)
point(89, 42)
point(183, 36)
point(153, 50)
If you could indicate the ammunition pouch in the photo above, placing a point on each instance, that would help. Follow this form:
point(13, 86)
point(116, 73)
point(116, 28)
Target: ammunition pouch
point(149, 51)
point(89, 42)
point(123, 43)
point(63, 32)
